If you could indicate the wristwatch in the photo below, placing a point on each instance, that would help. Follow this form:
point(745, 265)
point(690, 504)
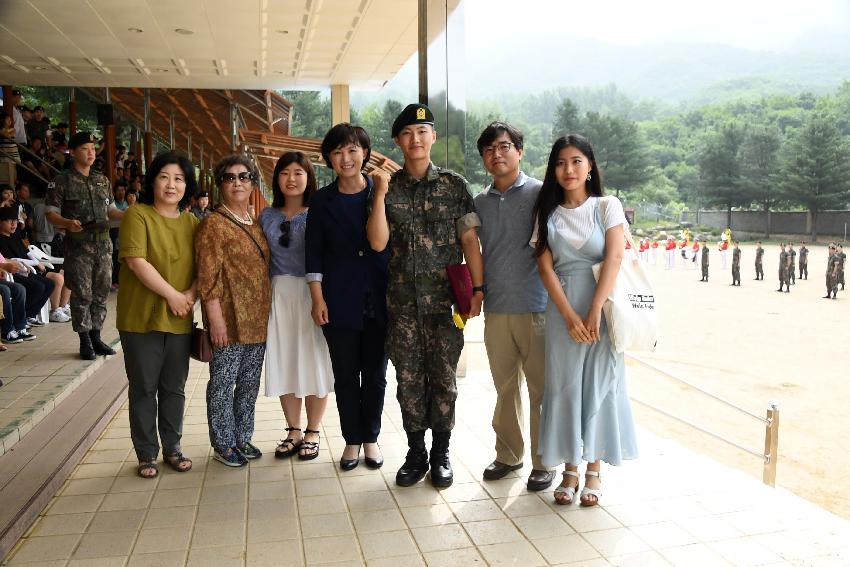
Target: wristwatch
point(482, 288)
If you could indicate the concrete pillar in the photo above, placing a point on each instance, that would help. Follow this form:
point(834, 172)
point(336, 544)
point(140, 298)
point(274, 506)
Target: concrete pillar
point(340, 106)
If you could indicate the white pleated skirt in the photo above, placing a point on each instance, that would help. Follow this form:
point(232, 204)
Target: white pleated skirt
point(297, 359)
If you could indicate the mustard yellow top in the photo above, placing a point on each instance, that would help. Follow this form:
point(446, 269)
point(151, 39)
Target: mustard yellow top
point(168, 244)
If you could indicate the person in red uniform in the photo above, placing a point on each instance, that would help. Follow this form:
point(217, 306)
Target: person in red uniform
point(654, 246)
point(670, 253)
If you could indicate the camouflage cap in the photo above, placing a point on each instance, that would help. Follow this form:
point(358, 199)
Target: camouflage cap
point(81, 138)
point(412, 114)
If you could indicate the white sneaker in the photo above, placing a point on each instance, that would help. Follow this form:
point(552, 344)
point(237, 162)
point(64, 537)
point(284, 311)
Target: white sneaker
point(34, 322)
point(66, 310)
point(59, 316)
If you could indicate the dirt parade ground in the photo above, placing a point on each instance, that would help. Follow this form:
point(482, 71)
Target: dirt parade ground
point(750, 345)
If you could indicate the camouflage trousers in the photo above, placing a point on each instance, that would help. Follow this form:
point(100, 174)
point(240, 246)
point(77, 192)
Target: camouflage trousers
point(831, 282)
point(841, 277)
point(705, 272)
point(759, 270)
point(784, 278)
point(804, 270)
point(424, 350)
point(736, 274)
point(88, 274)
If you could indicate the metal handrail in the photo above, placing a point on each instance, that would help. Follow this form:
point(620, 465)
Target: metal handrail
point(36, 156)
point(770, 456)
point(697, 388)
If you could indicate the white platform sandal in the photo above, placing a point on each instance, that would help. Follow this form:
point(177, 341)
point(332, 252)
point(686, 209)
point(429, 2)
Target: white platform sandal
point(585, 492)
point(570, 491)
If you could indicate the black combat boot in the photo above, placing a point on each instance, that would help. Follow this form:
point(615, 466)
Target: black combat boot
point(442, 475)
point(86, 348)
point(98, 345)
point(415, 466)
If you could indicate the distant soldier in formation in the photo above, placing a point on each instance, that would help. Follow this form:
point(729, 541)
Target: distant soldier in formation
point(759, 266)
point(804, 261)
point(703, 262)
point(792, 263)
point(736, 265)
point(783, 270)
point(832, 263)
point(841, 258)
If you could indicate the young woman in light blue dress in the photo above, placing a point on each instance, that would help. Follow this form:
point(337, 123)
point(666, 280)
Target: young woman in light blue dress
point(586, 414)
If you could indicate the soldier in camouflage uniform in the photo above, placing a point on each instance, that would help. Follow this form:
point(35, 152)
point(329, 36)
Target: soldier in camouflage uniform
point(783, 269)
point(832, 263)
point(841, 258)
point(804, 261)
point(792, 263)
point(704, 263)
point(759, 257)
point(736, 265)
point(426, 217)
point(81, 202)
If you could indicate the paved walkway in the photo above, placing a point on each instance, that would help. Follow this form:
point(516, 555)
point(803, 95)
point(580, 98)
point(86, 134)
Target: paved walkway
point(671, 507)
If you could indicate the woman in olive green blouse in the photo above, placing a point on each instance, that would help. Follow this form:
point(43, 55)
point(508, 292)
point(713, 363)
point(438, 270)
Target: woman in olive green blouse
point(155, 302)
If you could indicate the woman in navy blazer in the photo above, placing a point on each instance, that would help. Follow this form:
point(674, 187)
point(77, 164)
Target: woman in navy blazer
point(348, 285)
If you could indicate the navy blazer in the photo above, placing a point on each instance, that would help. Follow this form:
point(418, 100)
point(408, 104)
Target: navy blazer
point(336, 247)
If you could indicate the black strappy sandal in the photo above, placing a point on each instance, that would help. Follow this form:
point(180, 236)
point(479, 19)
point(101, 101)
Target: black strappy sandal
point(177, 461)
point(311, 446)
point(288, 447)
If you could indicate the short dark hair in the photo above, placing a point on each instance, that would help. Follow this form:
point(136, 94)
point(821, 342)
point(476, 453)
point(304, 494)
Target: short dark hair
point(229, 161)
point(494, 130)
point(285, 161)
point(160, 161)
point(343, 134)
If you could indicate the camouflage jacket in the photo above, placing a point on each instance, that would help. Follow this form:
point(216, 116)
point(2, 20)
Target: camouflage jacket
point(736, 257)
point(704, 257)
point(793, 255)
point(426, 218)
point(804, 255)
point(783, 260)
point(842, 256)
point(832, 264)
point(759, 254)
point(75, 196)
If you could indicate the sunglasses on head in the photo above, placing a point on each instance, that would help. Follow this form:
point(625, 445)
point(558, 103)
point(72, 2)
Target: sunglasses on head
point(284, 233)
point(243, 176)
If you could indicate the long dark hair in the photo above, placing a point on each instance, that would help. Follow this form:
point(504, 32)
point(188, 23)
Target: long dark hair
point(552, 194)
point(285, 161)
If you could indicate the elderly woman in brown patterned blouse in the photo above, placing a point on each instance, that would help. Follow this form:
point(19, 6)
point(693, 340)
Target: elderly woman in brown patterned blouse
point(232, 258)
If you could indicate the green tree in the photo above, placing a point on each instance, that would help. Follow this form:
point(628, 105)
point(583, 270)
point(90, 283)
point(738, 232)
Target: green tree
point(619, 150)
point(567, 119)
point(817, 167)
point(759, 165)
point(311, 113)
point(720, 169)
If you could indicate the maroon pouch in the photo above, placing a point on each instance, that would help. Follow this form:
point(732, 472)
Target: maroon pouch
point(461, 282)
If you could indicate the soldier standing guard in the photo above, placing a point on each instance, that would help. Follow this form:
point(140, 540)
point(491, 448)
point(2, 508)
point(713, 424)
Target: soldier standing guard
point(81, 202)
point(832, 263)
point(427, 218)
point(804, 261)
point(704, 263)
point(792, 262)
point(736, 265)
point(759, 266)
point(783, 270)
point(841, 258)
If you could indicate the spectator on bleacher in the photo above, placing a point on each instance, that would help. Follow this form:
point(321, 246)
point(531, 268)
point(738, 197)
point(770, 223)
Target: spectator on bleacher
point(132, 198)
point(59, 135)
point(18, 118)
point(41, 285)
point(120, 193)
point(8, 147)
point(39, 159)
point(136, 185)
point(132, 164)
point(119, 157)
point(25, 212)
point(155, 303)
point(232, 257)
point(38, 125)
point(14, 323)
point(201, 208)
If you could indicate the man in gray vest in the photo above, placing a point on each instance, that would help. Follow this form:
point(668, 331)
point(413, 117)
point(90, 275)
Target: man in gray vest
point(514, 302)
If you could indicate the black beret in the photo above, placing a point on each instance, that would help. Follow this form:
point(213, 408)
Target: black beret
point(8, 213)
point(81, 138)
point(61, 125)
point(412, 114)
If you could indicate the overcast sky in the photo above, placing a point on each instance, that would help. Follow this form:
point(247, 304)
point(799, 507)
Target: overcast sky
point(752, 24)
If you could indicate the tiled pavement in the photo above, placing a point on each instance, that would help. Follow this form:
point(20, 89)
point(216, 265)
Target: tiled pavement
point(671, 507)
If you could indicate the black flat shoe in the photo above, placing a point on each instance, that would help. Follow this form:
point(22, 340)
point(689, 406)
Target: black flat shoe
point(374, 463)
point(349, 464)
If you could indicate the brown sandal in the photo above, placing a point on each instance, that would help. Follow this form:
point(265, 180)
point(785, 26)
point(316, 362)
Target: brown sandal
point(176, 462)
point(145, 467)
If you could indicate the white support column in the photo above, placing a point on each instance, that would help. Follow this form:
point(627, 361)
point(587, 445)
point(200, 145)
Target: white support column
point(340, 107)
